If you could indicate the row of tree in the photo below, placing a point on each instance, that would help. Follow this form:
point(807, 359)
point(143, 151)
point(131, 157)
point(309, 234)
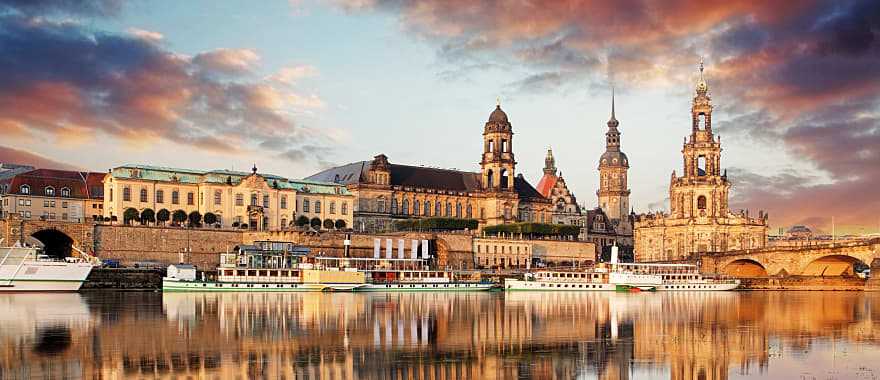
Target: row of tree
point(437, 224)
point(533, 230)
point(195, 219)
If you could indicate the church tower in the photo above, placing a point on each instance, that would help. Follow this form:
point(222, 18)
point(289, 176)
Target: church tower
point(702, 190)
point(613, 166)
point(498, 163)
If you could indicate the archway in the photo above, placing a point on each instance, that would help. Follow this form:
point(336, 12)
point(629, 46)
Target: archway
point(55, 243)
point(745, 268)
point(834, 265)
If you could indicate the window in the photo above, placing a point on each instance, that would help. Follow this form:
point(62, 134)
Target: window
point(427, 208)
point(50, 191)
point(160, 196)
point(332, 207)
point(405, 207)
point(504, 147)
point(470, 212)
point(126, 194)
point(175, 197)
point(283, 222)
point(144, 195)
point(64, 216)
point(25, 189)
point(701, 202)
point(448, 209)
point(305, 205)
point(438, 208)
point(190, 198)
point(45, 203)
point(254, 200)
point(344, 208)
point(111, 195)
point(416, 207)
point(394, 205)
point(265, 201)
point(380, 205)
point(701, 165)
point(283, 202)
point(64, 204)
point(458, 210)
point(218, 197)
point(239, 199)
point(317, 207)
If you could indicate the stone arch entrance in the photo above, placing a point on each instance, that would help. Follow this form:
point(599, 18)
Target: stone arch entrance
point(745, 268)
point(55, 243)
point(832, 265)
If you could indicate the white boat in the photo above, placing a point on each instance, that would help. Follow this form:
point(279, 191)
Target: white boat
point(407, 275)
point(623, 277)
point(25, 269)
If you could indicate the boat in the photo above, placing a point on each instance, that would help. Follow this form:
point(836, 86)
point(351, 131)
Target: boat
point(617, 276)
point(265, 266)
point(27, 269)
point(407, 275)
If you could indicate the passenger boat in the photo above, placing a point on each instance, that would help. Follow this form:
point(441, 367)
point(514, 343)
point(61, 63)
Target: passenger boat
point(407, 275)
point(265, 267)
point(617, 276)
point(26, 269)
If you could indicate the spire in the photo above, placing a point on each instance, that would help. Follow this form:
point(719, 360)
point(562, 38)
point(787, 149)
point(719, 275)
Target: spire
point(612, 103)
point(549, 162)
point(254, 169)
point(702, 86)
point(612, 122)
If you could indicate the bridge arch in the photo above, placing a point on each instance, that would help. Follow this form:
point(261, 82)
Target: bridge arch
point(744, 268)
point(832, 265)
point(55, 243)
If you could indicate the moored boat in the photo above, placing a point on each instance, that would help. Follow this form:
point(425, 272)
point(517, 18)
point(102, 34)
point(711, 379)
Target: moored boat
point(26, 269)
point(408, 275)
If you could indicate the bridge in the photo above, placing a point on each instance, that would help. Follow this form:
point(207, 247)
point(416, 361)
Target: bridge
point(59, 238)
point(830, 259)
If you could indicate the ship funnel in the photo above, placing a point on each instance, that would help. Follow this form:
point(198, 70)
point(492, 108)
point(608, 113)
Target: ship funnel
point(614, 258)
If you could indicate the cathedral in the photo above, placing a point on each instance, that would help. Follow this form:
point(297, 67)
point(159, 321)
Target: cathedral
point(497, 194)
point(699, 218)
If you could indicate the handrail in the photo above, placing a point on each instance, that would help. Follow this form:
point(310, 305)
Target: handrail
point(89, 258)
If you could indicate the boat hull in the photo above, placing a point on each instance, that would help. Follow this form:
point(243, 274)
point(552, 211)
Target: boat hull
point(173, 285)
point(515, 285)
point(447, 287)
point(44, 277)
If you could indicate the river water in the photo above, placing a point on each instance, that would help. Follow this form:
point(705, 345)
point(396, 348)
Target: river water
point(694, 335)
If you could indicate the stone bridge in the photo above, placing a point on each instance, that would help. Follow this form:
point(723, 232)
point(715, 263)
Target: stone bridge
point(831, 259)
point(58, 237)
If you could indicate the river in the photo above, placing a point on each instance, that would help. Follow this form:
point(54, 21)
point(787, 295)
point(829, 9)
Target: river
point(687, 335)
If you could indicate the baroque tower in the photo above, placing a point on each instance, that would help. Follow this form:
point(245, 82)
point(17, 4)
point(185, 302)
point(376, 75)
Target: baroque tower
point(497, 170)
point(613, 166)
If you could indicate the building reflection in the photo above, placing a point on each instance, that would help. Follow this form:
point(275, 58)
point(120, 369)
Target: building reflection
point(422, 335)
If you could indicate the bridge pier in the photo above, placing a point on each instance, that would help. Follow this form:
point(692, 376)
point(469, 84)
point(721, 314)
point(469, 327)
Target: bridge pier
point(873, 284)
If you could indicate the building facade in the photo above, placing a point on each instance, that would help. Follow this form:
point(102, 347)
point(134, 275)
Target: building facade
point(385, 192)
point(502, 253)
point(54, 195)
point(238, 199)
point(552, 186)
point(699, 219)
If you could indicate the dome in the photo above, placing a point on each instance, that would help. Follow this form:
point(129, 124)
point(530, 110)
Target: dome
point(702, 87)
point(498, 115)
point(613, 158)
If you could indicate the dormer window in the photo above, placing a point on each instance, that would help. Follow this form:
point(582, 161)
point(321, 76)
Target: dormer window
point(25, 189)
point(65, 192)
point(50, 191)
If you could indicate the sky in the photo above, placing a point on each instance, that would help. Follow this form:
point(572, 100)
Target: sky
point(298, 86)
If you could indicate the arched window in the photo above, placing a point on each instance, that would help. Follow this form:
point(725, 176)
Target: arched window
point(458, 210)
point(701, 202)
point(405, 207)
point(50, 191)
point(490, 179)
point(448, 209)
point(504, 147)
point(701, 165)
point(254, 199)
point(427, 208)
point(505, 177)
point(438, 208)
point(65, 192)
point(416, 207)
point(25, 189)
point(380, 205)
point(394, 205)
point(490, 146)
point(470, 212)
point(160, 196)
point(283, 223)
point(143, 195)
point(701, 121)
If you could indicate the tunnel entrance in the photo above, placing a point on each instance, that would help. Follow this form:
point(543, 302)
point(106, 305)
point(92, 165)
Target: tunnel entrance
point(745, 268)
point(55, 243)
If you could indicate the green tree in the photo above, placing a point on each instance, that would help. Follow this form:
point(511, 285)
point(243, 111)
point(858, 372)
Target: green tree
point(148, 216)
point(316, 223)
point(178, 217)
point(163, 216)
point(195, 218)
point(130, 214)
point(328, 224)
point(340, 224)
point(210, 218)
point(302, 221)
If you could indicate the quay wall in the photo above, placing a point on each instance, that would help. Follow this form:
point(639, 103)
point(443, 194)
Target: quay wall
point(558, 251)
point(130, 244)
point(124, 278)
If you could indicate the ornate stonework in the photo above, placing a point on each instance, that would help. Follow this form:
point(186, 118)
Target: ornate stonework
point(699, 219)
point(613, 192)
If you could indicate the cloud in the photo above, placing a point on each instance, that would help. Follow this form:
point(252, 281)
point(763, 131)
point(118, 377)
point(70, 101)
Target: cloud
point(802, 76)
point(145, 34)
point(72, 81)
point(18, 156)
point(50, 7)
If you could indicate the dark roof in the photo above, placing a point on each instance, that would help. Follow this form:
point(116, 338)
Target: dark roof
point(355, 172)
point(81, 184)
point(498, 115)
point(525, 190)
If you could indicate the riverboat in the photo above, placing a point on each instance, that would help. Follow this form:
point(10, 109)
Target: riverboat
point(27, 269)
point(407, 275)
point(617, 276)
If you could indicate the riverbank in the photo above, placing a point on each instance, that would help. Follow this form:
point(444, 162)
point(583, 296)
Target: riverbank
point(124, 279)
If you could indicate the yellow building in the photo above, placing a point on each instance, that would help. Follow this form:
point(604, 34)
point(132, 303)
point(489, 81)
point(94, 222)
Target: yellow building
point(502, 253)
point(699, 219)
point(237, 199)
point(54, 195)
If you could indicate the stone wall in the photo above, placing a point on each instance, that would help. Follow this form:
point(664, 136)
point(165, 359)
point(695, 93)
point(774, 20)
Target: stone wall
point(559, 251)
point(124, 278)
point(130, 244)
point(803, 283)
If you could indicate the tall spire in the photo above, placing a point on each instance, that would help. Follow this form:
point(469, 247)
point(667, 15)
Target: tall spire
point(612, 103)
point(702, 86)
point(549, 162)
point(612, 137)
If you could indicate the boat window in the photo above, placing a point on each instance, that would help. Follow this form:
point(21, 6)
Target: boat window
point(240, 273)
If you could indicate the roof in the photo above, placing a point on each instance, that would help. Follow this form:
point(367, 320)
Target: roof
point(41, 180)
point(546, 184)
point(498, 115)
point(525, 190)
point(348, 174)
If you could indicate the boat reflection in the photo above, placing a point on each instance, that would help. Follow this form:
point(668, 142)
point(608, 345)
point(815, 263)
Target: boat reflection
point(688, 335)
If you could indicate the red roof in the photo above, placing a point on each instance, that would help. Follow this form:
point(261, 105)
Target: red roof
point(81, 184)
point(546, 184)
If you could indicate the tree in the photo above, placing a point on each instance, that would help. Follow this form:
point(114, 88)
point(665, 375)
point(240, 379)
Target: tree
point(302, 221)
point(340, 224)
point(210, 218)
point(195, 218)
point(178, 217)
point(148, 215)
point(163, 216)
point(316, 223)
point(328, 224)
point(130, 214)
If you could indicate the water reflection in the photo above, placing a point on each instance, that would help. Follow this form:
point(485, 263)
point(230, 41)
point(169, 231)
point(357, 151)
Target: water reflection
point(441, 336)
